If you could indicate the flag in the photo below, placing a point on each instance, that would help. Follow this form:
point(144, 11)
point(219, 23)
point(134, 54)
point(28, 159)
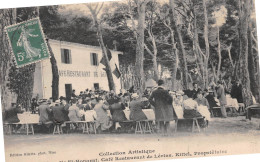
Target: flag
point(109, 56)
point(116, 72)
point(112, 64)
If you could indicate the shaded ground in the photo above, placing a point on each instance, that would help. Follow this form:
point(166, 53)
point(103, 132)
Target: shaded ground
point(232, 136)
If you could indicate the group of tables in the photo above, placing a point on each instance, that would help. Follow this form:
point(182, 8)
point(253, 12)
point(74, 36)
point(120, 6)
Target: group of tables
point(29, 119)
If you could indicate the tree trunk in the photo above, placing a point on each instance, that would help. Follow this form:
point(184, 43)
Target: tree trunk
point(155, 68)
point(244, 75)
point(198, 55)
point(175, 61)
point(206, 38)
point(8, 17)
point(252, 66)
point(55, 75)
point(182, 57)
point(139, 65)
point(219, 54)
point(110, 79)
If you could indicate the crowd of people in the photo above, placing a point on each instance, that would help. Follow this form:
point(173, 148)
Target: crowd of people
point(109, 107)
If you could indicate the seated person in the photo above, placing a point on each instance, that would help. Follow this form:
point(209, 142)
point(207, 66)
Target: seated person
point(44, 112)
point(103, 121)
point(179, 99)
point(79, 104)
point(74, 114)
point(88, 104)
point(190, 107)
point(93, 101)
point(12, 117)
point(59, 113)
point(136, 106)
point(118, 114)
point(211, 100)
point(201, 100)
point(117, 108)
point(45, 116)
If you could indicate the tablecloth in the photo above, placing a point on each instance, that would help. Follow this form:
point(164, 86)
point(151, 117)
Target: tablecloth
point(232, 102)
point(204, 111)
point(27, 117)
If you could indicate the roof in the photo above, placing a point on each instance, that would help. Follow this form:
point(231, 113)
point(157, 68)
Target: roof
point(81, 45)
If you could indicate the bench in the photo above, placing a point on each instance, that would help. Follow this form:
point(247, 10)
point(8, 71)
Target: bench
point(85, 125)
point(144, 126)
point(28, 126)
point(194, 123)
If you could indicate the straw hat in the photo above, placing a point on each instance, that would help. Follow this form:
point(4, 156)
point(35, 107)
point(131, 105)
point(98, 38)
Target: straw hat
point(135, 95)
point(57, 102)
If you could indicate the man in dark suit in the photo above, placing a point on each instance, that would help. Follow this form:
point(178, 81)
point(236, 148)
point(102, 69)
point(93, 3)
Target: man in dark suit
point(162, 102)
point(66, 107)
point(59, 114)
point(236, 92)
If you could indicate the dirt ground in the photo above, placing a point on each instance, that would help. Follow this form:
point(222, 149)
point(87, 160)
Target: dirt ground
point(233, 135)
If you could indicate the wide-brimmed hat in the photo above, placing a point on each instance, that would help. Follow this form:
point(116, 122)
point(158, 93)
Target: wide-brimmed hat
point(57, 102)
point(135, 95)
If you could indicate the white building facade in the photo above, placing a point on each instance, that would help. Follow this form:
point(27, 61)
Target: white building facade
point(79, 68)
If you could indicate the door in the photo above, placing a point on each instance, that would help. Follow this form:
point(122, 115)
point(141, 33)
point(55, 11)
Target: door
point(68, 91)
point(96, 86)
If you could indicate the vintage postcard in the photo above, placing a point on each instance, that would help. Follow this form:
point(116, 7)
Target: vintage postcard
point(130, 80)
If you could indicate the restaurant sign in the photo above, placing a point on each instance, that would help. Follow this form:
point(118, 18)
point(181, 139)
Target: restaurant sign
point(78, 73)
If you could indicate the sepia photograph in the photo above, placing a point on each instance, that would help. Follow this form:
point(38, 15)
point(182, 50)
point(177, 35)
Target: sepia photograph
point(129, 80)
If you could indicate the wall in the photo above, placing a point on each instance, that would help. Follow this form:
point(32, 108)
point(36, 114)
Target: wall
point(80, 73)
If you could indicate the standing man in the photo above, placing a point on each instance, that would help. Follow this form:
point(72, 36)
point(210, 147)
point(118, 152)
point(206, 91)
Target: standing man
point(222, 98)
point(162, 102)
point(236, 92)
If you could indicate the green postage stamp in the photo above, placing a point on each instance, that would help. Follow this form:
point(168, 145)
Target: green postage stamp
point(27, 41)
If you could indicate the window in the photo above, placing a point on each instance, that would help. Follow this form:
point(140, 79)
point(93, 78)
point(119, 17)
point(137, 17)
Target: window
point(66, 56)
point(94, 59)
